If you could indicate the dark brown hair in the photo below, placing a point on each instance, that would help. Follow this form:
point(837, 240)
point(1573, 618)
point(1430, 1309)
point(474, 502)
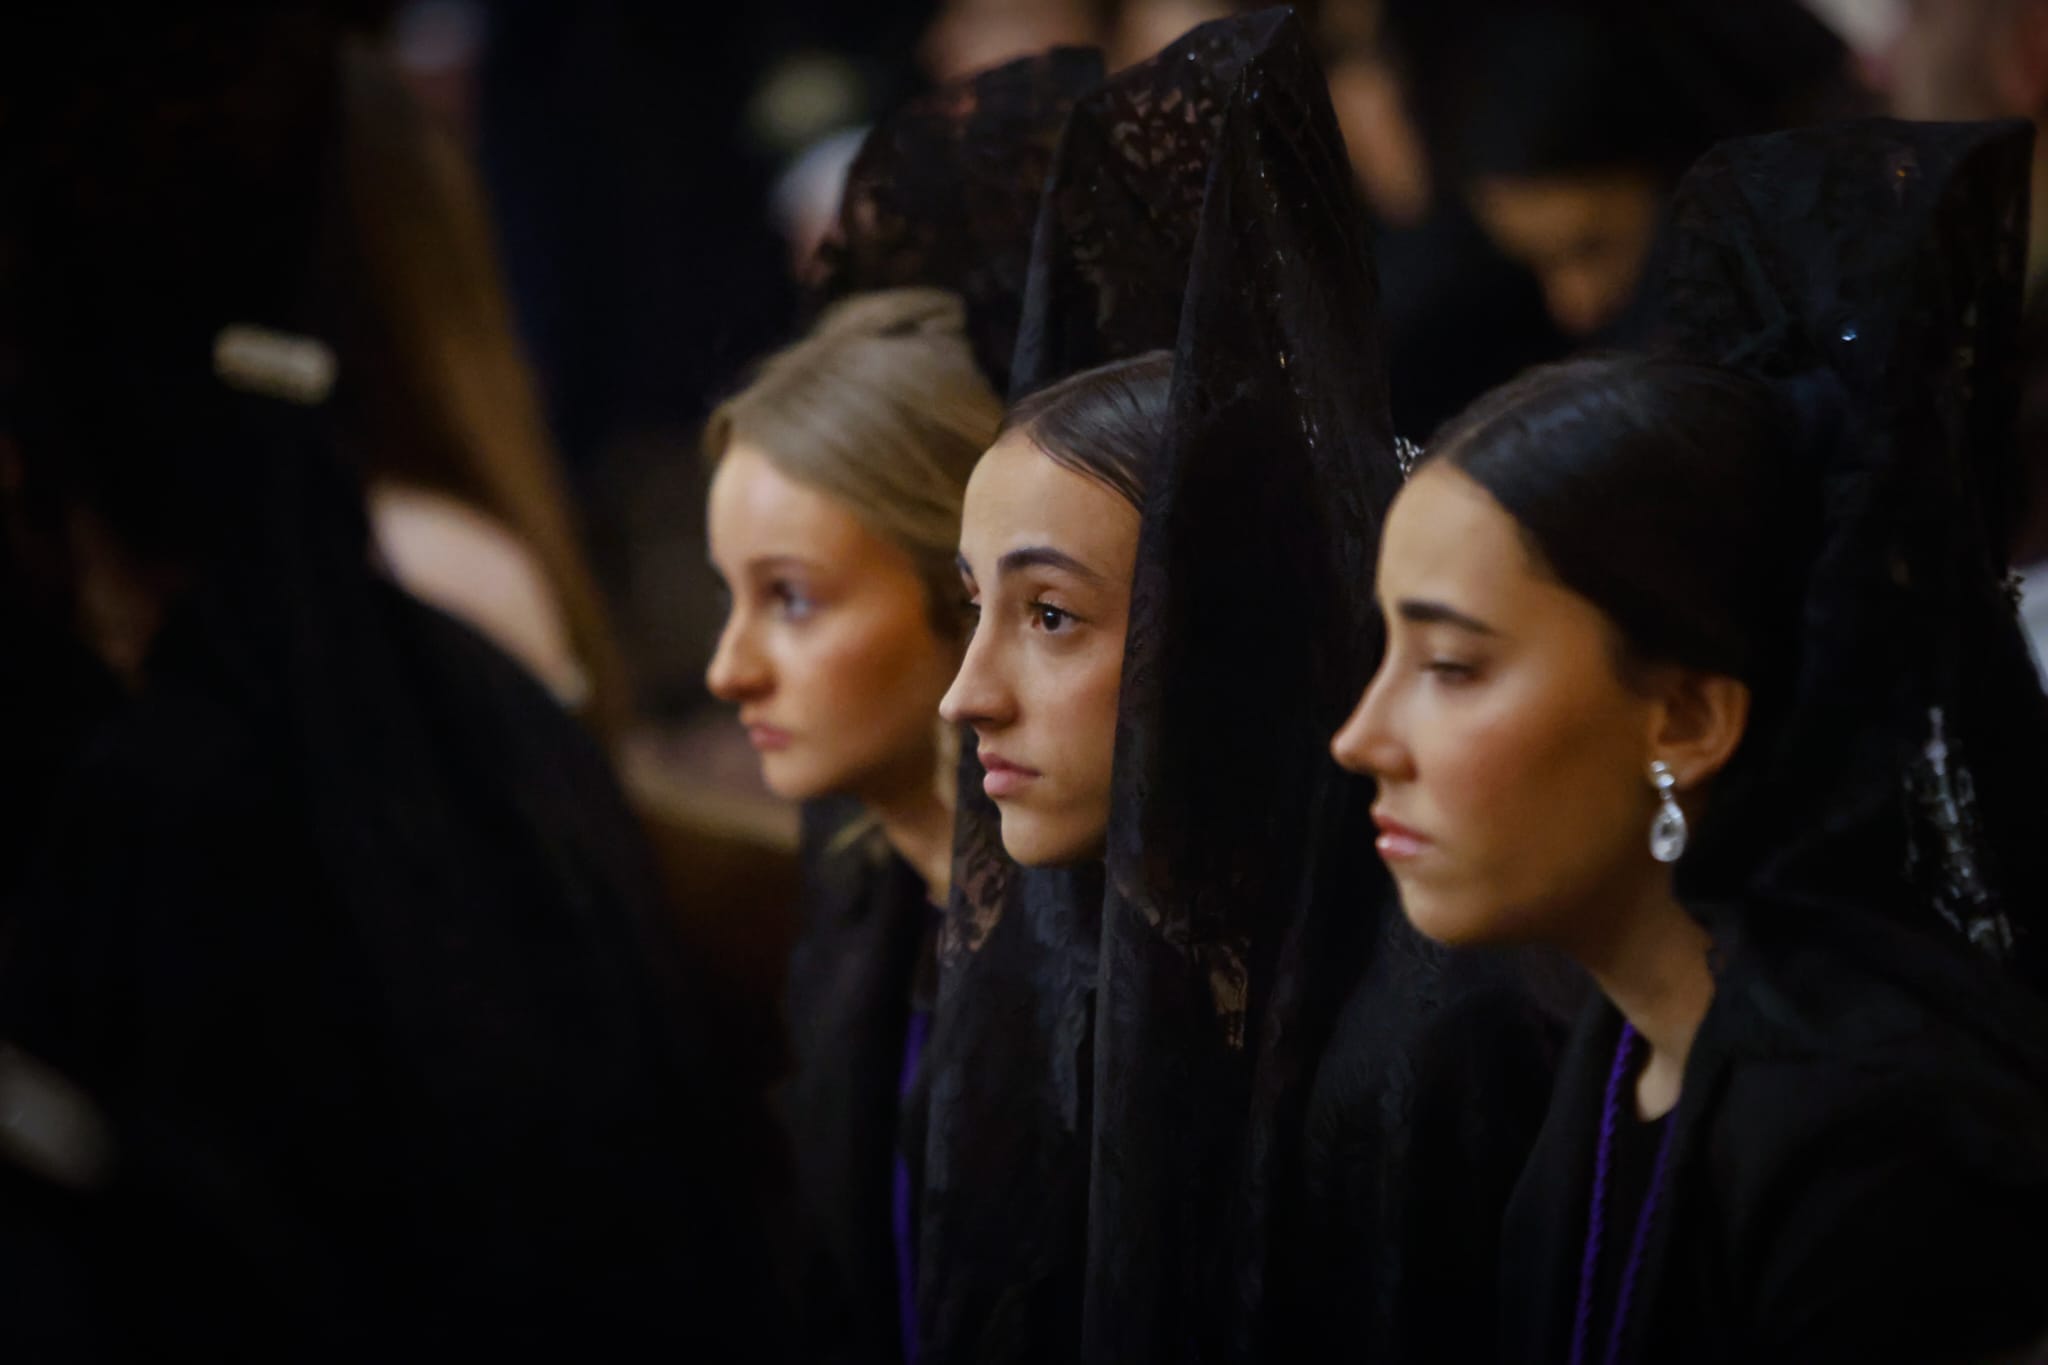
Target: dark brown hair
point(1669, 494)
point(1108, 423)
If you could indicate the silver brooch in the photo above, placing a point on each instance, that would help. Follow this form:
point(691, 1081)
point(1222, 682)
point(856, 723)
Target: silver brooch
point(1406, 454)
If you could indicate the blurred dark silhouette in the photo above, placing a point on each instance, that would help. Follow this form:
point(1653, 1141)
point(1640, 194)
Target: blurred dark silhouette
point(328, 908)
point(1567, 122)
point(1459, 316)
point(1968, 59)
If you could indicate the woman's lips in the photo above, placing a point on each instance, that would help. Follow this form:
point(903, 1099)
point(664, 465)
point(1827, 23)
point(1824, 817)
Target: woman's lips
point(1397, 843)
point(767, 738)
point(1004, 778)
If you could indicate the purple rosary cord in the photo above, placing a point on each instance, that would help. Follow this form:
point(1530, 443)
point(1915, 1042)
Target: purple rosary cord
point(1596, 1222)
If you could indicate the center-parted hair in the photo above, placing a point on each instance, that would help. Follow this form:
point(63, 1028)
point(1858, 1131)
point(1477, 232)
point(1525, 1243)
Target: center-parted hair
point(1107, 423)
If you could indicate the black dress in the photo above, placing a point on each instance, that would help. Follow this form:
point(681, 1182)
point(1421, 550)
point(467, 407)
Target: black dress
point(854, 993)
point(1853, 1175)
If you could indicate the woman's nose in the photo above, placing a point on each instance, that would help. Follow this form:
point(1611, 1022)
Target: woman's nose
point(1367, 743)
point(738, 671)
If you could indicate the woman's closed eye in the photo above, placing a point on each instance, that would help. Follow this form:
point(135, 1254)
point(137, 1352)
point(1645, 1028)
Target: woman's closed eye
point(1450, 670)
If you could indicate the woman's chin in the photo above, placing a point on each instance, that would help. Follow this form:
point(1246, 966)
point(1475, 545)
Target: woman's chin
point(1448, 920)
point(1033, 841)
point(788, 776)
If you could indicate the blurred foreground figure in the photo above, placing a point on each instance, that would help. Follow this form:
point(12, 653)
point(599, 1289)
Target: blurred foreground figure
point(326, 928)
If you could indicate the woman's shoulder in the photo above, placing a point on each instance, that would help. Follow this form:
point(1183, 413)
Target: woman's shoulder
point(1835, 1038)
point(1868, 1140)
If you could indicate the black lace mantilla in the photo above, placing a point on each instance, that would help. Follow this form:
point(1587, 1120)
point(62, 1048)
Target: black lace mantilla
point(944, 193)
point(1117, 227)
point(1168, 1023)
point(1889, 256)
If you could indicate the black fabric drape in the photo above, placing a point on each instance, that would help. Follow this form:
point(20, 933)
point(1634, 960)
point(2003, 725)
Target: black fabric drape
point(338, 919)
point(945, 191)
point(943, 194)
point(852, 977)
point(1888, 258)
point(1147, 1046)
point(1010, 1078)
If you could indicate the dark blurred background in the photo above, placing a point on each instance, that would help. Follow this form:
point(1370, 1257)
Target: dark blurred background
point(657, 176)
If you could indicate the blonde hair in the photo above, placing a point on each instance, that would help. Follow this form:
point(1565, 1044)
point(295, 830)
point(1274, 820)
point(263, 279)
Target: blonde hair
point(881, 406)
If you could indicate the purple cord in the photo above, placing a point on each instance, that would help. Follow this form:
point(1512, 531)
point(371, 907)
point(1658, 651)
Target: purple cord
point(903, 1203)
point(1589, 1264)
point(1636, 1252)
point(1596, 1221)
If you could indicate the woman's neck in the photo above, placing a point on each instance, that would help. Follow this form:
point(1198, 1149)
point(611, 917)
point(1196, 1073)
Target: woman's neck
point(1654, 968)
point(919, 827)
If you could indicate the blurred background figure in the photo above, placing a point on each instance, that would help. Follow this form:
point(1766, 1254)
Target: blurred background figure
point(1869, 27)
point(1571, 120)
point(443, 416)
point(1139, 28)
point(1460, 317)
point(1970, 59)
point(965, 37)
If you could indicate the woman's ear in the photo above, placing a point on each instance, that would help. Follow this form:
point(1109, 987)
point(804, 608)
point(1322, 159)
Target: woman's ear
point(1697, 722)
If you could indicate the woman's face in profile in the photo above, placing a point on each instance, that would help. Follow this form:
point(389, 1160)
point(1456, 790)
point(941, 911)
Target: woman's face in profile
point(1046, 557)
point(830, 649)
point(1511, 755)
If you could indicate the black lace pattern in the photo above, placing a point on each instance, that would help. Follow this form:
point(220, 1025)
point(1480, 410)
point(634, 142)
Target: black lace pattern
point(944, 193)
point(1115, 1122)
point(1889, 257)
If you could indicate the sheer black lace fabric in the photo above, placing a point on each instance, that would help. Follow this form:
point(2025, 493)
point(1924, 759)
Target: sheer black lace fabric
point(1132, 1052)
point(1011, 1075)
point(944, 193)
point(1241, 879)
point(1887, 259)
point(1117, 227)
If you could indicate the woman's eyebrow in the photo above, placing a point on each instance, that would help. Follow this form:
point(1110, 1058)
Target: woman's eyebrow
point(1045, 557)
point(1424, 613)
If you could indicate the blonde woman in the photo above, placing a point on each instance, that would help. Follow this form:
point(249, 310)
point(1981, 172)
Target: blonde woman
point(834, 520)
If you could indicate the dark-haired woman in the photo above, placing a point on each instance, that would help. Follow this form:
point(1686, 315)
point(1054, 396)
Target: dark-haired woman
point(1795, 1128)
point(1439, 1066)
point(1568, 122)
point(1048, 542)
point(1195, 1010)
